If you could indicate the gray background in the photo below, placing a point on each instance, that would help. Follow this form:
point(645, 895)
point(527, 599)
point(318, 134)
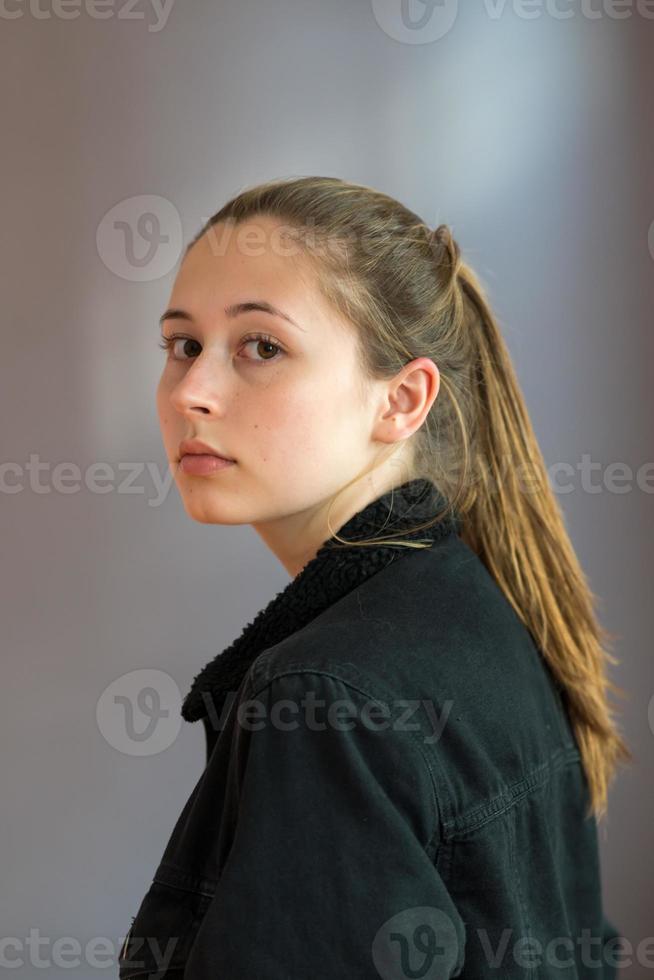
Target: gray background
point(530, 135)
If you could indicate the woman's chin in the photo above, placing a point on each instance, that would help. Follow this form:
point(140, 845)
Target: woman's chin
point(206, 507)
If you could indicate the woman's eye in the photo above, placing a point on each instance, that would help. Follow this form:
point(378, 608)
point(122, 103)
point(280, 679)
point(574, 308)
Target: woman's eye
point(170, 344)
point(263, 344)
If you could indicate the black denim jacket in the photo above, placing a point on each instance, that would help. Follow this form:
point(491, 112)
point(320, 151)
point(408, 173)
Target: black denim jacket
point(392, 788)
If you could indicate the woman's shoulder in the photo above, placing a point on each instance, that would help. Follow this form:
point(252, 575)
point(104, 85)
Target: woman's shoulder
point(434, 642)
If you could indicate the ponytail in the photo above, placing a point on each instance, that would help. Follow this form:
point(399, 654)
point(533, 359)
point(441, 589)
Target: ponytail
point(515, 525)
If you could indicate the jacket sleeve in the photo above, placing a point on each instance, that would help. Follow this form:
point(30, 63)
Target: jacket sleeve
point(330, 872)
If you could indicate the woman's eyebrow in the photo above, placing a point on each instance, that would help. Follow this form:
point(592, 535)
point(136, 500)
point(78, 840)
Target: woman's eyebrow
point(234, 310)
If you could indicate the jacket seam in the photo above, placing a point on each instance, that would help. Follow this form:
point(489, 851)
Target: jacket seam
point(172, 876)
point(500, 804)
point(532, 970)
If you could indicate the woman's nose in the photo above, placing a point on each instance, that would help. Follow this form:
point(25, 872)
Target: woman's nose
point(201, 390)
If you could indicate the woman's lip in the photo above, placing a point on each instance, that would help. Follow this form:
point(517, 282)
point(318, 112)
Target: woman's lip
point(202, 464)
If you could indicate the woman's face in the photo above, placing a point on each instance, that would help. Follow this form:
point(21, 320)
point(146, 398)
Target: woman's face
point(289, 407)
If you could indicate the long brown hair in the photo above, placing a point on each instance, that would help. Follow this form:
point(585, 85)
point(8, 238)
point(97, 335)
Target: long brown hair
point(407, 292)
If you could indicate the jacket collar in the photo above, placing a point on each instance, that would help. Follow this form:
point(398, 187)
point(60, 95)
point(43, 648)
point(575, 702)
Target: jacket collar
point(335, 570)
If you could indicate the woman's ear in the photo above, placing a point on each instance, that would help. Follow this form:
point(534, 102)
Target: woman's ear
point(406, 400)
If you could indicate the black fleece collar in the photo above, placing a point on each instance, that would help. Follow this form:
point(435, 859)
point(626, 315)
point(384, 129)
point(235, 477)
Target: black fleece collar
point(334, 571)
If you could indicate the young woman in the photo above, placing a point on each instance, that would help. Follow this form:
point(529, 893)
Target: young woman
point(409, 748)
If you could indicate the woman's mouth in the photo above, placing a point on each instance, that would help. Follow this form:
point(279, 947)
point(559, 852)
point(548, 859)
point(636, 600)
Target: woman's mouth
point(203, 464)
